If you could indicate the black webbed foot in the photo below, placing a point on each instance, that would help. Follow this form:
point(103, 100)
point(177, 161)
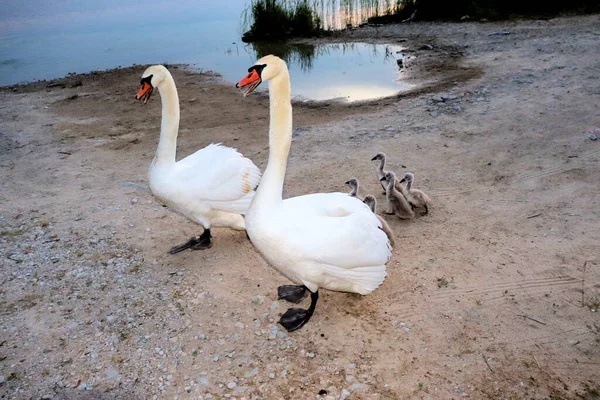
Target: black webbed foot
point(195, 243)
point(295, 318)
point(291, 293)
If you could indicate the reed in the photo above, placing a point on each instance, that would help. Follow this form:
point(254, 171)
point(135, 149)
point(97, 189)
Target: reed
point(280, 19)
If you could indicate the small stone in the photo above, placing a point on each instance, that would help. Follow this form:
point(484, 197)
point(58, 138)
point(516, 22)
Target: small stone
point(351, 366)
point(202, 336)
point(203, 381)
point(310, 355)
point(231, 385)
point(283, 372)
point(216, 358)
point(434, 114)
point(271, 375)
point(250, 373)
point(241, 389)
point(134, 200)
point(110, 319)
point(169, 377)
point(397, 136)
point(192, 100)
point(406, 329)
point(349, 378)
point(147, 229)
point(593, 137)
point(258, 300)
point(356, 386)
point(345, 394)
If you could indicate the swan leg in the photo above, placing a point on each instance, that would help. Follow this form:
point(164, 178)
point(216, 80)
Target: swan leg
point(291, 293)
point(195, 243)
point(295, 318)
point(205, 242)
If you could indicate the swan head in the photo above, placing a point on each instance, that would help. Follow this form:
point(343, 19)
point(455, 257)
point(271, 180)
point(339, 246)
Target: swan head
point(265, 69)
point(371, 202)
point(151, 78)
point(389, 177)
point(378, 156)
point(408, 177)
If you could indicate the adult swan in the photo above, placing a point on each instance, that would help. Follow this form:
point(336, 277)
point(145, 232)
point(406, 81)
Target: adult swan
point(212, 187)
point(322, 240)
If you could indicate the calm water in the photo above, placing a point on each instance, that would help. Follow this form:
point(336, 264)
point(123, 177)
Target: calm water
point(51, 38)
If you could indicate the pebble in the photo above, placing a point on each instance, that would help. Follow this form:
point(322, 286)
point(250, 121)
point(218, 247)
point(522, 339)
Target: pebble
point(310, 355)
point(170, 377)
point(134, 200)
point(231, 385)
point(356, 386)
point(271, 375)
point(241, 389)
point(202, 336)
point(593, 137)
point(258, 300)
point(2, 379)
point(434, 114)
point(215, 358)
point(351, 366)
point(349, 378)
point(250, 373)
point(345, 394)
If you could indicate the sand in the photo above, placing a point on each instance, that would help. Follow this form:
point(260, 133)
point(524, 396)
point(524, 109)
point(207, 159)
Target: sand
point(493, 295)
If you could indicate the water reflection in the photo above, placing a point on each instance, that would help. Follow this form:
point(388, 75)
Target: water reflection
point(62, 37)
point(345, 71)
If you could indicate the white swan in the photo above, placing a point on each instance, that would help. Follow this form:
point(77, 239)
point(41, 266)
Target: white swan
point(322, 240)
point(212, 187)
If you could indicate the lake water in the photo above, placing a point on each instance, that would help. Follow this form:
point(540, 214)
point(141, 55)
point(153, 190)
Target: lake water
point(49, 38)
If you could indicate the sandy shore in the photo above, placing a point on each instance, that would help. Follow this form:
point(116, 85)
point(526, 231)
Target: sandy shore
point(490, 296)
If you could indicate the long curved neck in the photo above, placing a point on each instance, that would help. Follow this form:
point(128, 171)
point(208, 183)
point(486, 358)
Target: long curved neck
point(280, 139)
point(354, 190)
point(169, 124)
point(382, 164)
point(409, 183)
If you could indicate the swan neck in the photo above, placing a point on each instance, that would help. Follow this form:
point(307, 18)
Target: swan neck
point(169, 124)
point(381, 164)
point(409, 183)
point(280, 139)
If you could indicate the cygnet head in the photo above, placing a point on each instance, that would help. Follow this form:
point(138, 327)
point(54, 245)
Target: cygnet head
point(152, 77)
point(389, 177)
point(265, 69)
point(378, 156)
point(353, 183)
point(408, 177)
point(371, 202)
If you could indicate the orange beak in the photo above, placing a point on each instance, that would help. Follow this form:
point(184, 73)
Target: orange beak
point(144, 92)
point(249, 82)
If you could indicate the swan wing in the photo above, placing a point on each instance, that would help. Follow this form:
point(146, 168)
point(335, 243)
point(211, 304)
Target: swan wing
point(340, 241)
point(220, 175)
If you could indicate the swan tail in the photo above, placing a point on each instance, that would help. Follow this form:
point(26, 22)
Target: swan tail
point(362, 280)
point(239, 206)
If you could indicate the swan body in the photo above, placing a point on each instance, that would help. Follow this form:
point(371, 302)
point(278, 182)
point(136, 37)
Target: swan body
point(370, 201)
point(417, 198)
point(397, 203)
point(322, 240)
point(381, 171)
point(213, 186)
